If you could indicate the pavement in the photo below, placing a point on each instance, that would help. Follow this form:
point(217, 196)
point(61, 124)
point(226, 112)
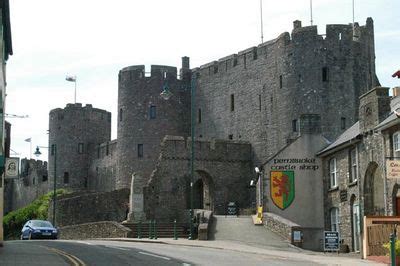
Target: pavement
point(238, 234)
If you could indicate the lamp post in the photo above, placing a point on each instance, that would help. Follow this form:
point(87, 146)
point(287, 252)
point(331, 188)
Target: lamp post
point(53, 152)
point(166, 94)
point(72, 79)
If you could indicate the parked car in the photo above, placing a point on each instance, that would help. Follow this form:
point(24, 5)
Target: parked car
point(38, 229)
point(232, 209)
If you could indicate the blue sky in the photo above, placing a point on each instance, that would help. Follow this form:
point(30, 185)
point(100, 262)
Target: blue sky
point(94, 39)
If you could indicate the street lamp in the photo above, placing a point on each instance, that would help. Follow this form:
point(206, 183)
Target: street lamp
point(72, 79)
point(166, 94)
point(53, 152)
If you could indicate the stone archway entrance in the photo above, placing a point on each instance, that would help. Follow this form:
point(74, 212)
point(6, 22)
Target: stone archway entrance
point(203, 191)
point(373, 191)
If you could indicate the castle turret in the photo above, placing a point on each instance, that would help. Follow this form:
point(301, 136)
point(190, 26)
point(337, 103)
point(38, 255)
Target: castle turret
point(144, 118)
point(74, 133)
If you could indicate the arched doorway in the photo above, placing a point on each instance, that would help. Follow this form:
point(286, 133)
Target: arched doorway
point(396, 200)
point(203, 191)
point(373, 190)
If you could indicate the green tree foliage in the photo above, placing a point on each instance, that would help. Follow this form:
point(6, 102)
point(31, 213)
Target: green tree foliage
point(38, 209)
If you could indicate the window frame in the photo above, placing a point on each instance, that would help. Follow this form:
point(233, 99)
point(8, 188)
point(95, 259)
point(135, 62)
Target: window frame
point(334, 218)
point(152, 112)
point(396, 143)
point(333, 173)
point(353, 165)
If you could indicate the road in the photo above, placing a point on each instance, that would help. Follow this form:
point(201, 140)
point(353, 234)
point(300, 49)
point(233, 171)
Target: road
point(95, 252)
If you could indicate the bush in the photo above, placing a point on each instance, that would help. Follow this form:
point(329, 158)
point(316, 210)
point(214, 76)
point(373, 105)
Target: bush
point(15, 220)
point(396, 247)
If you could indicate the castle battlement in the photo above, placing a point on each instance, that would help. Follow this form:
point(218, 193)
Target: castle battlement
point(300, 38)
point(136, 72)
point(177, 147)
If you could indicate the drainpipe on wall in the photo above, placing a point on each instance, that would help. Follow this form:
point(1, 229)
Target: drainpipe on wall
point(360, 202)
point(385, 185)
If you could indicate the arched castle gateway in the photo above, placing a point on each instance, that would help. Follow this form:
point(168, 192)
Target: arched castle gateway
point(249, 106)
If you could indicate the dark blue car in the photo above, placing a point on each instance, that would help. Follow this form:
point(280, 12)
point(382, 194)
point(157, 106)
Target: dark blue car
point(38, 229)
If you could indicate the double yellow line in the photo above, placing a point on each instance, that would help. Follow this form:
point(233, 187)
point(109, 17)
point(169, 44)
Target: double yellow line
point(70, 258)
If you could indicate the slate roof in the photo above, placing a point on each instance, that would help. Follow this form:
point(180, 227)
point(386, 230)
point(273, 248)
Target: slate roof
point(390, 121)
point(350, 134)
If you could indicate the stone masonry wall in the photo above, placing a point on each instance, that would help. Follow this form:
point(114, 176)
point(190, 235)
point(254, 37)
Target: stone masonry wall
point(223, 168)
point(104, 229)
point(76, 132)
point(92, 207)
point(103, 167)
point(258, 94)
point(32, 183)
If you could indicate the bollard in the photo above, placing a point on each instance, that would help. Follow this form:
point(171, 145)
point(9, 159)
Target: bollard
point(392, 249)
point(155, 229)
point(139, 236)
point(175, 235)
point(150, 232)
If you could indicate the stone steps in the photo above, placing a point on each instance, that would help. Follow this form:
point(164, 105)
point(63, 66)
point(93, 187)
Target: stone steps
point(164, 230)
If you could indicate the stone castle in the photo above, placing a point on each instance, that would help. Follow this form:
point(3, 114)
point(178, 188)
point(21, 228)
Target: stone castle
point(248, 107)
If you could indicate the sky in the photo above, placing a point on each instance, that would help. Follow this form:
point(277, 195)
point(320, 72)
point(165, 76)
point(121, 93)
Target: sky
point(94, 39)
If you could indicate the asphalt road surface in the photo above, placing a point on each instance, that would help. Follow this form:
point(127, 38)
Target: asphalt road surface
point(96, 252)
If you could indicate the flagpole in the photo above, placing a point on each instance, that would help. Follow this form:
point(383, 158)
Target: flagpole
point(311, 12)
point(262, 26)
point(75, 90)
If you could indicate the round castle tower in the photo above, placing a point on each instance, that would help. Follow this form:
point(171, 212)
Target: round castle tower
point(144, 118)
point(75, 132)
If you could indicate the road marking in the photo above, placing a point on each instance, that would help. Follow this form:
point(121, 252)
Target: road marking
point(154, 255)
point(83, 242)
point(74, 260)
point(117, 248)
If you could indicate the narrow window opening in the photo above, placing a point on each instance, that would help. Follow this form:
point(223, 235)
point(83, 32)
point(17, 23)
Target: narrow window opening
point(255, 54)
point(140, 150)
point(80, 148)
point(107, 149)
point(300, 78)
point(259, 102)
point(244, 60)
point(199, 116)
point(85, 182)
point(294, 125)
point(343, 122)
point(215, 69)
point(340, 36)
point(325, 74)
point(280, 81)
point(33, 181)
point(232, 102)
point(165, 74)
point(153, 112)
point(66, 177)
point(52, 149)
point(120, 114)
point(235, 61)
point(230, 136)
point(44, 178)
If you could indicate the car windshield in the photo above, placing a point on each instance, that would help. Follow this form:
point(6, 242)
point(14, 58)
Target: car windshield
point(41, 224)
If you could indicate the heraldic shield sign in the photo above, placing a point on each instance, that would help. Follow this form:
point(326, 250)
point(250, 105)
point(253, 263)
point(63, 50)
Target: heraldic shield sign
point(282, 188)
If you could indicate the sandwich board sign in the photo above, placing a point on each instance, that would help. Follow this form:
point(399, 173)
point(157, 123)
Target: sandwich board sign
point(331, 241)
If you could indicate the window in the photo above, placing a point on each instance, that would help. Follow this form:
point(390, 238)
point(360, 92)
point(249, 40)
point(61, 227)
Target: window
point(107, 149)
point(85, 182)
point(396, 144)
point(33, 181)
point(120, 114)
point(343, 122)
point(66, 177)
point(140, 150)
point(44, 178)
point(80, 148)
point(215, 69)
point(199, 116)
point(294, 125)
point(254, 54)
point(53, 149)
point(334, 214)
point(235, 61)
point(325, 74)
point(232, 102)
point(259, 102)
point(152, 112)
point(280, 82)
point(333, 173)
point(353, 165)
point(230, 136)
